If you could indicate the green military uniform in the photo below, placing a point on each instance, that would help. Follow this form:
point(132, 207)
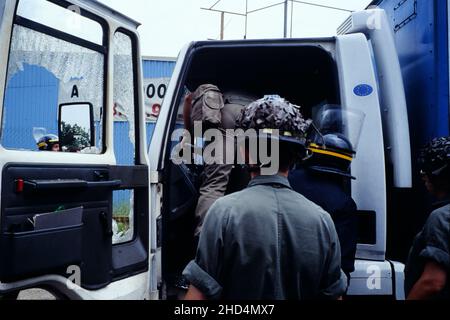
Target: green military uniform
point(215, 177)
point(267, 242)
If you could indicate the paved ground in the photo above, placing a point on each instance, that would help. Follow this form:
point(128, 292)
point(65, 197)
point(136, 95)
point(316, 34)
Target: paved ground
point(35, 294)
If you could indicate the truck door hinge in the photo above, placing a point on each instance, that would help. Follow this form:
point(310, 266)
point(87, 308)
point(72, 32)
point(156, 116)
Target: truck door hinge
point(154, 177)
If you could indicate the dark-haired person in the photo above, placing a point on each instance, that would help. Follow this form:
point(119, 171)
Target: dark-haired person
point(268, 242)
point(428, 266)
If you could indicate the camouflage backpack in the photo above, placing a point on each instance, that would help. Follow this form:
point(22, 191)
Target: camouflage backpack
point(207, 105)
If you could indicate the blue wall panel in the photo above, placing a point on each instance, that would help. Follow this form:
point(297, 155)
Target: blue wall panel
point(31, 101)
point(158, 69)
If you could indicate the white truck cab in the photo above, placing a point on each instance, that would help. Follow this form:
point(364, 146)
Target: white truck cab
point(89, 55)
point(94, 62)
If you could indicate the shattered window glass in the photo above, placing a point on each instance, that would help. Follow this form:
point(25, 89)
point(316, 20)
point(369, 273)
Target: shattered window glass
point(66, 19)
point(44, 73)
point(124, 133)
point(124, 106)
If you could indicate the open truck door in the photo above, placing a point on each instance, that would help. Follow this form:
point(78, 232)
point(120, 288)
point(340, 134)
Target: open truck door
point(74, 216)
point(309, 73)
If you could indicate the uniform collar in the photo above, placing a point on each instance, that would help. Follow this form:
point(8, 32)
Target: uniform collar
point(441, 203)
point(270, 180)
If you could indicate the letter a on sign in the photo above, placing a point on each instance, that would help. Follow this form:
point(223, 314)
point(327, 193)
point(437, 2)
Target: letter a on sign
point(74, 92)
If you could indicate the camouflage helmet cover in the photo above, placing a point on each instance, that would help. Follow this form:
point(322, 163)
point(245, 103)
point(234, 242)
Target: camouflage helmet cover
point(275, 113)
point(434, 158)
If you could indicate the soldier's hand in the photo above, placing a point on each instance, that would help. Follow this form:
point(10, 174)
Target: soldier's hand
point(187, 111)
point(188, 99)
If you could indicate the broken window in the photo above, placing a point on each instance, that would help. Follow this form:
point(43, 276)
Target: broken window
point(124, 133)
point(48, 69)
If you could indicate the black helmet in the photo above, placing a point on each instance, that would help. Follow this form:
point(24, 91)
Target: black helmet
point(434, 159)
point(335, 139)
point(332, 153)
point(272, 114)
point(47, 142)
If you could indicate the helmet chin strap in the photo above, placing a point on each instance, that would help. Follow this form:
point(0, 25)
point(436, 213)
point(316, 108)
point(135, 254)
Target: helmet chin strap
point(309, 155)
point(320, 134)
point(439, 171)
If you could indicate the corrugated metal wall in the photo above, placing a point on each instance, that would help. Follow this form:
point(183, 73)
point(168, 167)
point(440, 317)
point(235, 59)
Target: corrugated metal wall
point(30, 102)
point(157, 68)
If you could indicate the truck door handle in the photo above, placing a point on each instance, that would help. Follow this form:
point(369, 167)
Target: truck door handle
point(113, 184)
point(40, 185)
point(43, 185)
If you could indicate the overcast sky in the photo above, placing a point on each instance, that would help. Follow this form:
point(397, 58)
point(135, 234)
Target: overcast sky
point(167, 25)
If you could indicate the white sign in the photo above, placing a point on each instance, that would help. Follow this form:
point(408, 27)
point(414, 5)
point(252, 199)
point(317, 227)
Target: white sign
point(77, 90)
point(154, 92)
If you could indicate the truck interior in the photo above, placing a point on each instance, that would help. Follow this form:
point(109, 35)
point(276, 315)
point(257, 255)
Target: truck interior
point(304, 74)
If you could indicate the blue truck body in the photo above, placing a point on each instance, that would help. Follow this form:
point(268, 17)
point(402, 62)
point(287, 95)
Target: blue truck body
point(421, 32)
point(422, 39)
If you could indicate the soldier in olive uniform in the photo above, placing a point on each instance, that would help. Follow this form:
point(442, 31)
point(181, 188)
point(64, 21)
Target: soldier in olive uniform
point(215, 178)
point(267, 241)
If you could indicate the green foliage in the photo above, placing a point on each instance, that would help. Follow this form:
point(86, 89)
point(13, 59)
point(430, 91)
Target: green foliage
point(122, 227)
point(121, 210)
point(121, 213)
point(74, 138)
